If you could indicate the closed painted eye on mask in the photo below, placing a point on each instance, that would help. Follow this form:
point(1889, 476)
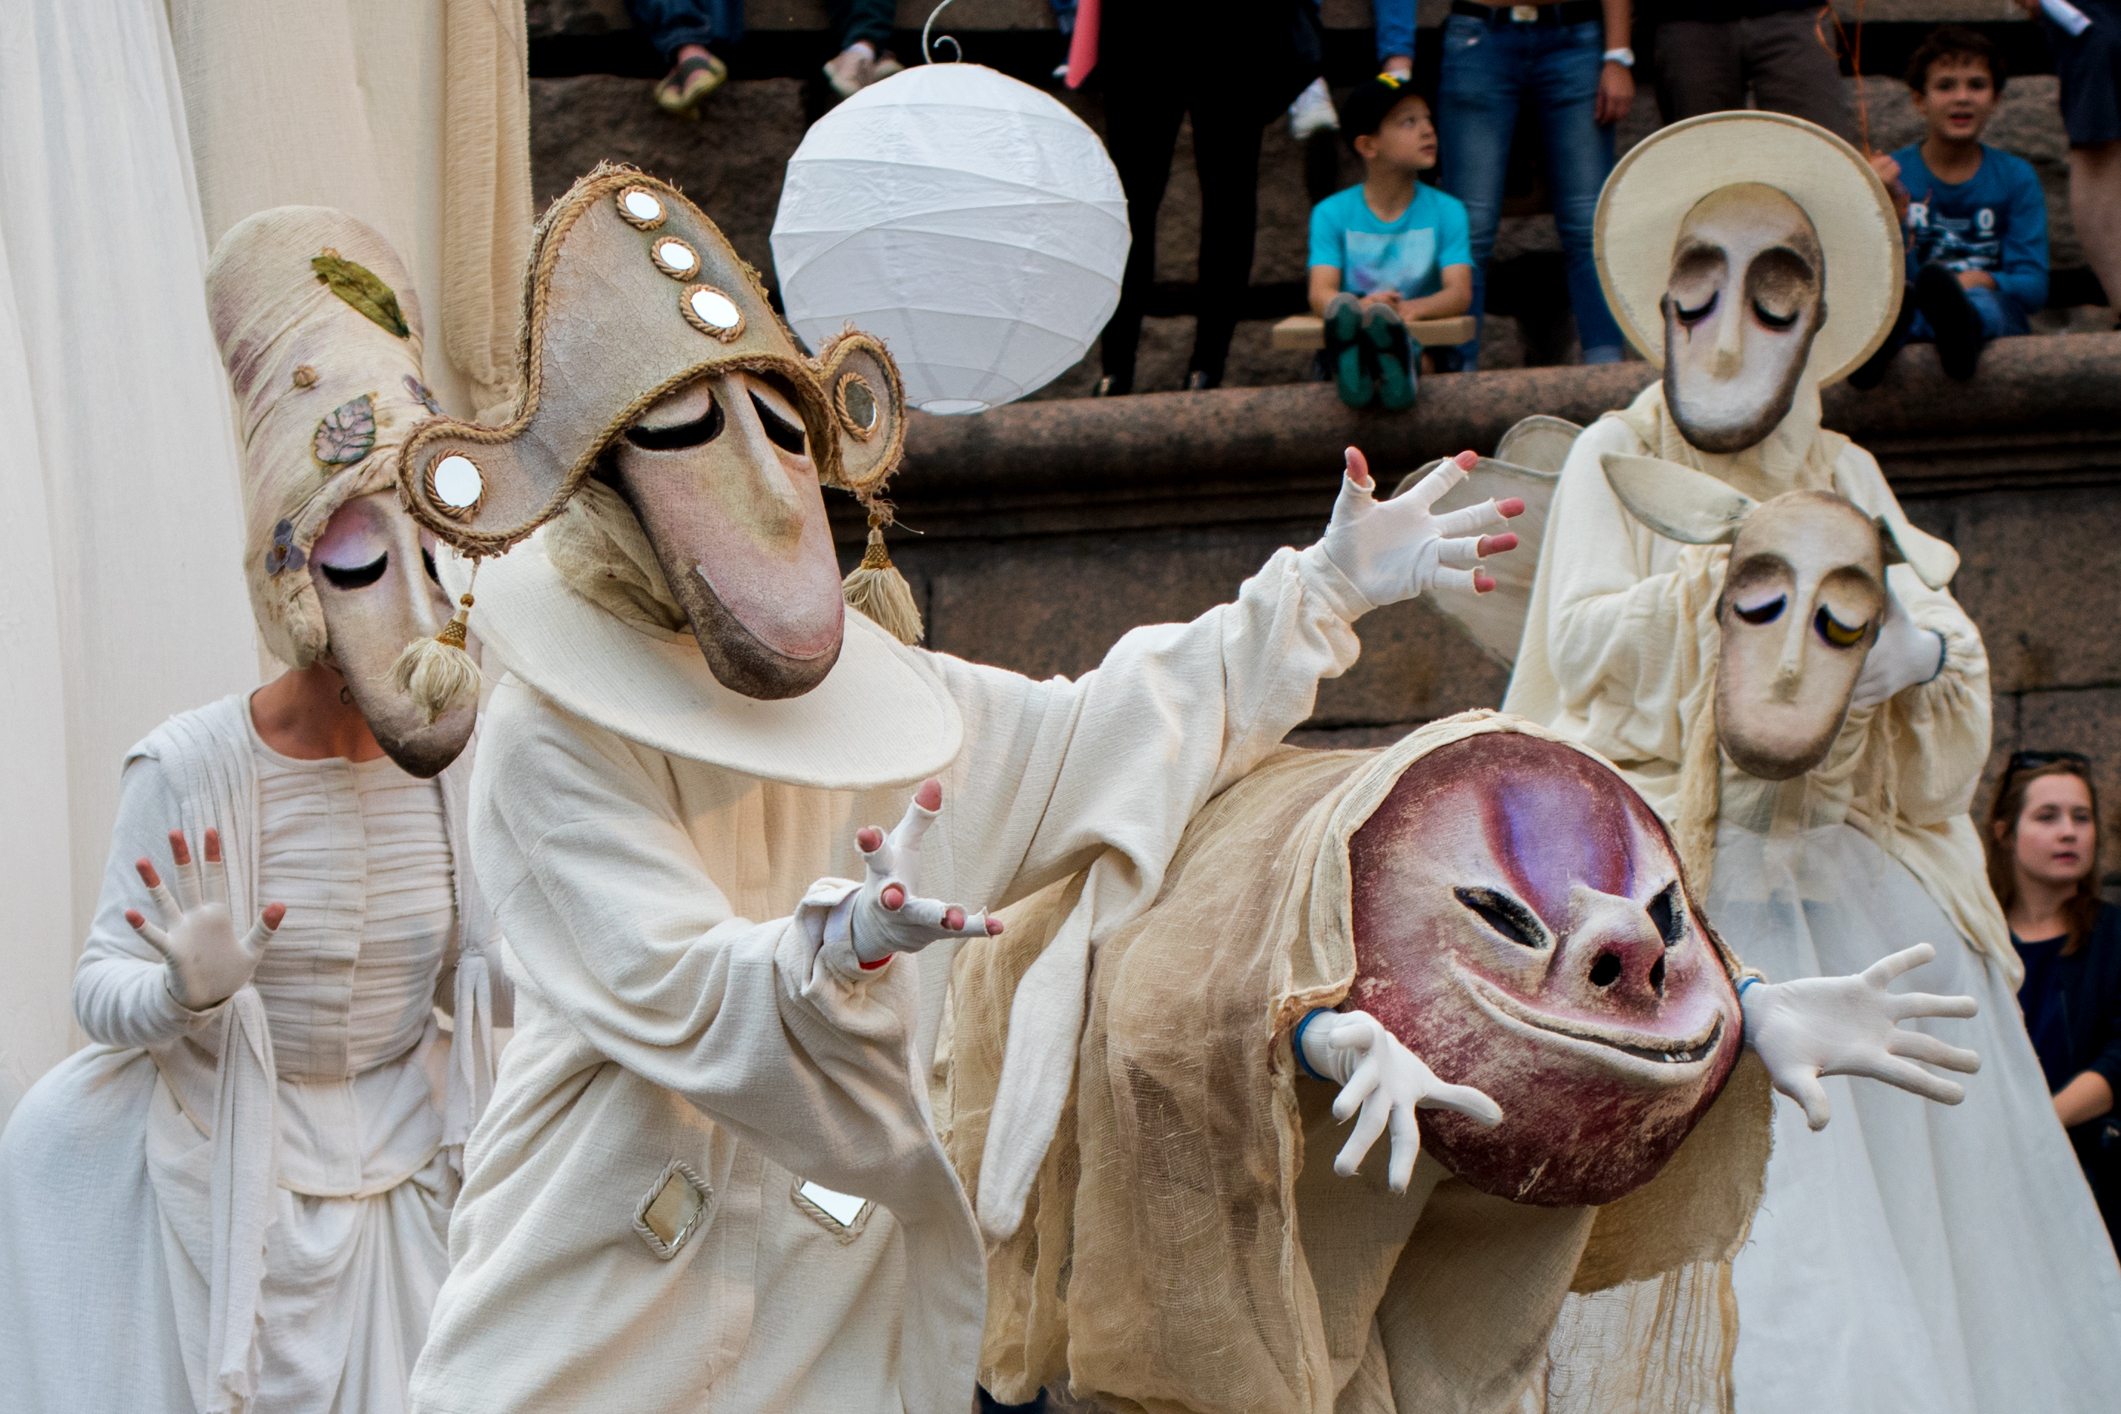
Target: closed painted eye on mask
point(1520, 923)
point(720, 474)
point(1801, 605)
point(1744, 302)
point(374, 573)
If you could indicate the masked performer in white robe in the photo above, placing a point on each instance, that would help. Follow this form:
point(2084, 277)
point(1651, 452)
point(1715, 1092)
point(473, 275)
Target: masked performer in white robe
point(709, 1180)
point(238, 1197)
point(1755, 257)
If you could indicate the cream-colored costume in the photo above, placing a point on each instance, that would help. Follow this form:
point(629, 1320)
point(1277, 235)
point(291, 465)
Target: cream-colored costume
point(1967, 1271)
point(675, 1021)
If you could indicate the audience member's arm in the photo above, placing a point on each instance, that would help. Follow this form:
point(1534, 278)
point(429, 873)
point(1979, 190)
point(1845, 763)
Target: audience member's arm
point(2085, 1098)
point(1325, 283)
point(2024, 273)
point(1455, 298)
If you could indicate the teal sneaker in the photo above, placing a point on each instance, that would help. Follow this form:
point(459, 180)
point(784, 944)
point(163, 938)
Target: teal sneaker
point(1394, 355)
point(1344, 352)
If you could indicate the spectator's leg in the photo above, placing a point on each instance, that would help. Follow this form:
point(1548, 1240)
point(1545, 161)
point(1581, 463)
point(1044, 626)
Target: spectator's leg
point(1952, 317)
point(2095, 208)
point(1395, 35)
point(1476, 115)
point(1579, 155)
point(2001, 316)
point(1794, 67)
point(1141, 131)
point(672, 24)
point(1699, 69)
point(864, 22)
point(1226, 138)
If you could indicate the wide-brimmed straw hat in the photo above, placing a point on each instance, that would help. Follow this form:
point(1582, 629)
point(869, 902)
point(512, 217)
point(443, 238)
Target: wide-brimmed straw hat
point(1662, 178)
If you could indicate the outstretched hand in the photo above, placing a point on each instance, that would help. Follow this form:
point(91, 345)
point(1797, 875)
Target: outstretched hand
point(889, 917)
point(1850, 1026)
point(1382, 1083)
point(1393, 550)
point(205, 961)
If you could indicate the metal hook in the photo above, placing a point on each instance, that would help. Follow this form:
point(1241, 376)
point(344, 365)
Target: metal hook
point(957, 51)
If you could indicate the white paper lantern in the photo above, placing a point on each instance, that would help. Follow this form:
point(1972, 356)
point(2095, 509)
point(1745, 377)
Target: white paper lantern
point(971, 222)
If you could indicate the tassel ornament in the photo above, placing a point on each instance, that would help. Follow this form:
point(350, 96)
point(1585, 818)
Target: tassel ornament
point(878, 591)
point(437, 673)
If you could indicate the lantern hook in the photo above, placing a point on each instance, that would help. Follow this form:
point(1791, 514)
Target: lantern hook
point(957, 51)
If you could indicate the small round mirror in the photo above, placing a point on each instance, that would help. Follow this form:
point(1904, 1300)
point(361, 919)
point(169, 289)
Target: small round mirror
point(858, 404)
point(457, 482)
point(674, 257)
point(713, 308)
point(640, 206)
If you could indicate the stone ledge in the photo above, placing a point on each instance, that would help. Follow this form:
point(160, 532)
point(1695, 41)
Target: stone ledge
point(2042, 412)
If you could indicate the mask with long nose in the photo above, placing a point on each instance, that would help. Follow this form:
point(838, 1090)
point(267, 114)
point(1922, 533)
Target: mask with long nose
point(1745, 300)
point(1522, 925)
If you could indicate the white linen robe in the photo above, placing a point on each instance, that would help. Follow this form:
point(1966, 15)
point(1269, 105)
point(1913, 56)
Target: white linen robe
point(676, 1015)
point(140, 1179)
point(1911, 1258)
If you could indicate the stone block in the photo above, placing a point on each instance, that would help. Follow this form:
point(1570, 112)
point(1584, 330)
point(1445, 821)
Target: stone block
point(2032, 577)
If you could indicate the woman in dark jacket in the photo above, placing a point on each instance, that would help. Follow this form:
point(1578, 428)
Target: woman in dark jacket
point(2043, 847)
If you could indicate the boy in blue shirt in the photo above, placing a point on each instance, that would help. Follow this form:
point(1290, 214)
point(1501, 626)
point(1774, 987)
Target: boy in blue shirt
point(1388, 251)
point(1975, 220)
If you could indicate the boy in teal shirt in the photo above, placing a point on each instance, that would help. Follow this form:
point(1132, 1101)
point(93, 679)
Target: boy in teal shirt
point(1388, 251)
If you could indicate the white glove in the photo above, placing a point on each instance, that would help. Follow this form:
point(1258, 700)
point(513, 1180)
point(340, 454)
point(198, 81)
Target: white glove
point(1848, 1026)
point(888, 916)
point(1392, 550)
point(1385, 1081)
point(204, 962)
point(1902, 656)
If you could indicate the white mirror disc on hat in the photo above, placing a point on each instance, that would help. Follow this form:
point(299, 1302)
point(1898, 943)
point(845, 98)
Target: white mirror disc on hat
point(676, 258)
point(641, 205)
point(457, 482)
point(715, 308)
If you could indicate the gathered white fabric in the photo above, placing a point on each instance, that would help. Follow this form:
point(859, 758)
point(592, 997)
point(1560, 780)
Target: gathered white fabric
point(287, 1138)
point(1902, 656)
point(682, 1022)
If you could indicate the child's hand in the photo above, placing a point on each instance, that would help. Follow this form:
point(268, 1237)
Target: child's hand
point(1889, 172)
point(1380, 297)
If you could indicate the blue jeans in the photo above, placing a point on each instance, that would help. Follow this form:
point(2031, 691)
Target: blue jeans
point(672, 24)
point(1487, 71)
point(2000, 316)
point(1395, 28)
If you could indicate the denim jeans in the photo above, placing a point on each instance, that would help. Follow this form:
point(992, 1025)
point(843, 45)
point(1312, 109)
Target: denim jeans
point(2000, 316)
point(1395, 28)
point(1487, 71)
point(672, 24)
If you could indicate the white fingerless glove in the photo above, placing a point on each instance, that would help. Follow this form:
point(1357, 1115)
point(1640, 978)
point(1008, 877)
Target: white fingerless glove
point(1383, 1081)
point(1902, 657)
point(881, 927)
point(204, 962)
point(1393, 550)
point(1850, 1026)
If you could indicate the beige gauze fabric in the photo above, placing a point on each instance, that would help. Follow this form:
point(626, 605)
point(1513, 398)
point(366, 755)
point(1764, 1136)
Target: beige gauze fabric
point(414, 115)
point(1187, 1245)
point(325, 395)
point(1619, 655)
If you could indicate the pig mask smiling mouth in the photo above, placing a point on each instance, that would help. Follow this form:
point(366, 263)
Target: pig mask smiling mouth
point(1521, 925)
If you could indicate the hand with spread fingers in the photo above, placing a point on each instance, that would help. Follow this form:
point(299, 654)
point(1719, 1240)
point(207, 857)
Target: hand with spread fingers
point(889, 917)
point(1381, 1084)
point(1902, 656)
point(206, 963)
point(1850, 1026)
point(1393, 550)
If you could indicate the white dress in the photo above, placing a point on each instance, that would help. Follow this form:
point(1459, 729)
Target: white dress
point(1911, 1256)
point(358, 1131)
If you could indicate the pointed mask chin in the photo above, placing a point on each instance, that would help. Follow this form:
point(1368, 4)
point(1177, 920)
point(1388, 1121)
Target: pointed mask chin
point(1521, 925)
point(720, 478)
point(1801, 606)
point(372, 581)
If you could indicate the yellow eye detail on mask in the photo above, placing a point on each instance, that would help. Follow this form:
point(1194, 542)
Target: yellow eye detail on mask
point(1838, 633)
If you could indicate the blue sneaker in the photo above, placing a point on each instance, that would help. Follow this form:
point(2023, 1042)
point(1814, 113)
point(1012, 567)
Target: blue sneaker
point(1344, 352)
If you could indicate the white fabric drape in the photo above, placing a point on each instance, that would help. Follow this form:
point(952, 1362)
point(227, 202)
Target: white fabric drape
point(121, 595)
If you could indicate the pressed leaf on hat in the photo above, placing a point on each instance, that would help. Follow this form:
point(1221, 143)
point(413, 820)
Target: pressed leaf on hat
point(347, 433)
point(360, 287)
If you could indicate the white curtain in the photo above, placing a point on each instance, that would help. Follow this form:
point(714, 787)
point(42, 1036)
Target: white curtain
point(121, 595)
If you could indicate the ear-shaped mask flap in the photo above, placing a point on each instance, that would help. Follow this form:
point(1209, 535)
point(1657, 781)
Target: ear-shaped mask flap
point(1677, 501)
point(1933, 561)
point(867, 410)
